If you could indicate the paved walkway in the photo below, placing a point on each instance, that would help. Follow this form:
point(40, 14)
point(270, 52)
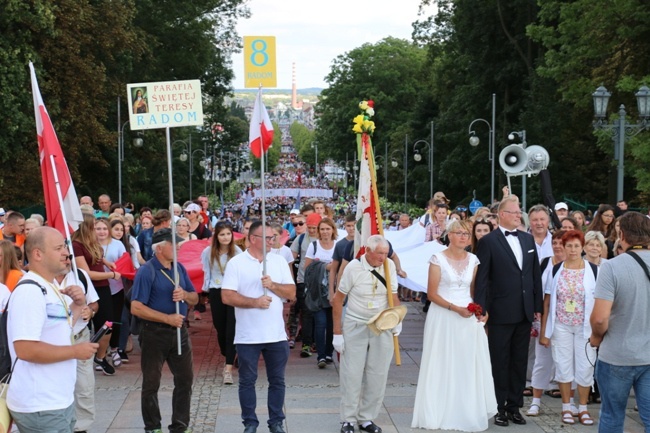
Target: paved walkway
point(312, 399)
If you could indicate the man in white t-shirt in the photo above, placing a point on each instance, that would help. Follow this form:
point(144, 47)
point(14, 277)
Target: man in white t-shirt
point(41, 323)
point(258, 300)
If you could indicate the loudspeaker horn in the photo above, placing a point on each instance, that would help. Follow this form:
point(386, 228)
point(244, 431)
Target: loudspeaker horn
point(538, 158)
point(513, 159)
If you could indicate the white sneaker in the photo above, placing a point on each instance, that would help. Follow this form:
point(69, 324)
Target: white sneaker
point(533, 410)
point(117, 359)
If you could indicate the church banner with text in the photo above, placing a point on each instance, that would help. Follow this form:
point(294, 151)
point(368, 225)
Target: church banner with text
point(165, 104)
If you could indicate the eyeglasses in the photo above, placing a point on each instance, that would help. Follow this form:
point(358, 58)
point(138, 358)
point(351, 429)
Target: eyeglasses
point(268, 238)
point(301, 223)
point(511, 212)
point(461, 234)
point(461, 209)
point(189, 211)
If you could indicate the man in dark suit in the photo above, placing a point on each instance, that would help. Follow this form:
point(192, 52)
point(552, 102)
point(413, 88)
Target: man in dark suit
point(509, 288)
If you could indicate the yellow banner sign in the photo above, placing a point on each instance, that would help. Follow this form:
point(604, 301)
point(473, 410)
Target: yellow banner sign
point(165, 104)
point(259, 61)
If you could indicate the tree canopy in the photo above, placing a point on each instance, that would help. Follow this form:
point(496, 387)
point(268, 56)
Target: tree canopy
point(85, 53)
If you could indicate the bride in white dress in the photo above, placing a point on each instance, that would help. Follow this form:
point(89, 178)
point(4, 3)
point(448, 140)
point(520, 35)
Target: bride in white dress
point(455, 387)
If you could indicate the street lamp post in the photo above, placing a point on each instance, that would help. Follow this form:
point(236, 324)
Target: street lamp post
point(418, 157)
point(184, 157)
point(474, 141)
point(394, 163)
point(314, 145)
point(621, 129)
point(137, 142)
point(520, 138)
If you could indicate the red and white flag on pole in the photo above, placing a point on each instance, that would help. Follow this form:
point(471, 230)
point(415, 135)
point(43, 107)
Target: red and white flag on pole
point(367, 206)
point(260, 135)
point(48, 145)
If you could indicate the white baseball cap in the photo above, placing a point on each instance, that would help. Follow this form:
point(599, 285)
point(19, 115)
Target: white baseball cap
point(561, 205)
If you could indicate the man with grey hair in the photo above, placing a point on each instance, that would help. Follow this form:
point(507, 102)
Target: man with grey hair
point(154, 297)
point(539, 219)
point(365, 356)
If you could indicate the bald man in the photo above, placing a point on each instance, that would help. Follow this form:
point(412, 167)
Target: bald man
point(41, 320)
point(104, 202)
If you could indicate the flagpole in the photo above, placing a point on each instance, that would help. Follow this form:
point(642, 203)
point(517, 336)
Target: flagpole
point(261, 107)
point(170, 183)
point(380, 224)
point(68, 240)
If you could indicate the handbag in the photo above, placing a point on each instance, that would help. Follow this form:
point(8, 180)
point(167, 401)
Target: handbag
point(5, 417)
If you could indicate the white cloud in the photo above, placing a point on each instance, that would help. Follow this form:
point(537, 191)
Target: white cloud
point(312, 33)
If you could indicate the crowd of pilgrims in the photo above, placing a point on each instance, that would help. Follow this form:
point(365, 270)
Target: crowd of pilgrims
point(308, 231)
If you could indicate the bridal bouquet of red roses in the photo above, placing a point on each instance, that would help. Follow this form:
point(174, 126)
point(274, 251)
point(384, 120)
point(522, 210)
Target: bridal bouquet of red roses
point(476, 309)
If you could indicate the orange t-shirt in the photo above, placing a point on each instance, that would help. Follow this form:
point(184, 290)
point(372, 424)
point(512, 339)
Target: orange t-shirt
point(12, 279)
point(20, 239)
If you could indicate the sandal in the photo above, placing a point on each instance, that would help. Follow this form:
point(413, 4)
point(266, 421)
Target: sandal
point(555, 393)
point(533, 410)
point(567, 417)
point(370, 428)
point(528, 391)
point(585, 418)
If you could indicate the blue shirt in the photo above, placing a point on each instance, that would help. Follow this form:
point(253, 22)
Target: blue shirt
point(154, 289)
point(145, 239)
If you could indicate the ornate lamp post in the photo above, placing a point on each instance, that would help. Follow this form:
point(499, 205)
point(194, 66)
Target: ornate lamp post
point(474, 141)
point(621, 128)
point(417, 156)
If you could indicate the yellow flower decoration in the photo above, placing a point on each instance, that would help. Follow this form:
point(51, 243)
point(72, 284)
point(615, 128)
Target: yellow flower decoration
point(362, 122)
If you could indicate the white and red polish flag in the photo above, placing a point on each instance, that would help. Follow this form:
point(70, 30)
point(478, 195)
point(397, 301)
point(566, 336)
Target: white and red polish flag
point(48, 145)
point(260, 135)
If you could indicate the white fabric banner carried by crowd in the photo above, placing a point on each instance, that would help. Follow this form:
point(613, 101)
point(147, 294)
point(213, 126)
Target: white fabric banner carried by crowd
point(293, 192)
point(414, 255)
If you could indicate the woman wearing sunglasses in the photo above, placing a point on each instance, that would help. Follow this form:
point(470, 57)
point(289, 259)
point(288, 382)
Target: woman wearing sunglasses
point(197, 226)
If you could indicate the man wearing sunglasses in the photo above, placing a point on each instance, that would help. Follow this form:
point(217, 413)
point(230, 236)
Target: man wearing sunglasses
point(290, 225)
point(258, 296)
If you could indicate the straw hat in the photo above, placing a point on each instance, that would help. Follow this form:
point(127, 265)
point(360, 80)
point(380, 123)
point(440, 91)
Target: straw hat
point(387, 319)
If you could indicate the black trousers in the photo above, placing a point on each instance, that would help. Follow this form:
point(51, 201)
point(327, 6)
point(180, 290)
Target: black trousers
point(223, 319)
point(509, 355)
point(158, 343)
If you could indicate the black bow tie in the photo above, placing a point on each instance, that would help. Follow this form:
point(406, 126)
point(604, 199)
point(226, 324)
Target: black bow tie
point(512, 233)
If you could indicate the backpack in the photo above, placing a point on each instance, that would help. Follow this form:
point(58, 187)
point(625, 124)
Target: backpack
point(316, 286)
point(6, 366)
point(296, 263)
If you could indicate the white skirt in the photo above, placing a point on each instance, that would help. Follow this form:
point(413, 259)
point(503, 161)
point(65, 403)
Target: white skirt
point(455, 388)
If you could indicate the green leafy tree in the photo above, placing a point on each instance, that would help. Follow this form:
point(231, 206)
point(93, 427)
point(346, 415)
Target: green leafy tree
point(392, 73)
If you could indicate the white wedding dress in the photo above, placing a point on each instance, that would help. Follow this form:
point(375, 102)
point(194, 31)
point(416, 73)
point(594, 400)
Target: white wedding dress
point(455, 388)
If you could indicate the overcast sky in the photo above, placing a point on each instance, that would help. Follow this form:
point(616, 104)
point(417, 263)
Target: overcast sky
point(312, 33)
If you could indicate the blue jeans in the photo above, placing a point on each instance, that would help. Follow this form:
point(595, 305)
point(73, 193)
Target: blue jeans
point(323, 332)
point(275, 356)
point(614, 383)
